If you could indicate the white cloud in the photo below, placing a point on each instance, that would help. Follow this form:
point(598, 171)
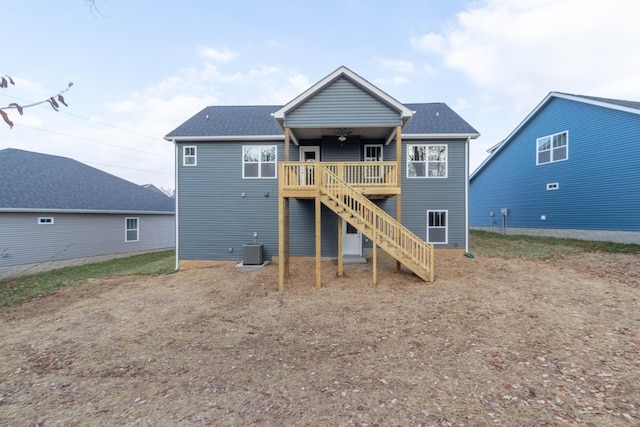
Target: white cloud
point(393, 81)
point(428, 43)
point(217, 55)
point(525, 49)
point(398, 66)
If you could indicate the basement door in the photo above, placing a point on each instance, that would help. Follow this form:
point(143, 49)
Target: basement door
point(351, 240)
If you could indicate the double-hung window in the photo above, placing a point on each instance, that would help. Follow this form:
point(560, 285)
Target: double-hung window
point(189, 156)
point(131, 230)
point(437, 227)
point(259, 161)
point(427, 161)
point(552, 148)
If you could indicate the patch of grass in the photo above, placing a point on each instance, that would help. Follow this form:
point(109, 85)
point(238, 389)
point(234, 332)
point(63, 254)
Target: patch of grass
point(539, 247)
point(19, 289)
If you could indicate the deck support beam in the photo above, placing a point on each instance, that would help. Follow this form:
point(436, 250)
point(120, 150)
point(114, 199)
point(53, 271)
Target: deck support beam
point(283, 218)
point(340, 259)
point(399, 171)
point(318, 243)
point(375, 251)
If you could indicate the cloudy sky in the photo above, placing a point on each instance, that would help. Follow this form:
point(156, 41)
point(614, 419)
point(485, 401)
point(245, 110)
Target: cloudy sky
point(140, 68)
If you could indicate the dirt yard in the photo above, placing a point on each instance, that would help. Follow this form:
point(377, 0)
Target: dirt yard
point(491, 342)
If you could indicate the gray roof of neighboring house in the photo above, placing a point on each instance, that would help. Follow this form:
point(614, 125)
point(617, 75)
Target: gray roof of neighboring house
point(620, 102)
point(35, 181)
point(430, 118)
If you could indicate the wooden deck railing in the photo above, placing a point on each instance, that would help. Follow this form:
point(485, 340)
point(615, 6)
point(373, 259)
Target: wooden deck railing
point(302, 175)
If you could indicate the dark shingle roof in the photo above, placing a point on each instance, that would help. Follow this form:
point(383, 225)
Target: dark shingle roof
point(40, 181)
point(231, 121)
point(620, 102)
point(431, 118)
point(436, 118)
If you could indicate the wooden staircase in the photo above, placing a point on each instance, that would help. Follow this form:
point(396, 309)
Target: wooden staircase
point(376, 224)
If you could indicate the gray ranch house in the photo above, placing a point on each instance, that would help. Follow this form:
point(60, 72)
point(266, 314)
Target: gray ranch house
point(342, 168)
point(56, 212)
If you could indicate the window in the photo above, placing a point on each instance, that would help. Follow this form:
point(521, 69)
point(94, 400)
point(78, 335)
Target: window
point(437, 227)
point(131, 230)
point(45, 220)
point(373, 153)
point(553, 186)
point(189, 156)
point(259, 161)
point(426, 161)
point(552, 148)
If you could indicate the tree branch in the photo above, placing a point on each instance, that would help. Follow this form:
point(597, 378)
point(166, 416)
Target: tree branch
point(53, 101)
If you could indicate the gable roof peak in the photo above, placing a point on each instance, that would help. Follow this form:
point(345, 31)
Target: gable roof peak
point(342, 71)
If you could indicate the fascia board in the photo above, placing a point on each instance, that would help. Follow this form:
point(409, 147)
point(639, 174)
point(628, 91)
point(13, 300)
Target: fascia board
point(440, 135)
point(225, 138)
point(84, 211)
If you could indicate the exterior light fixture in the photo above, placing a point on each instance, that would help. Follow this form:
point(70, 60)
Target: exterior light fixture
point(342, 134)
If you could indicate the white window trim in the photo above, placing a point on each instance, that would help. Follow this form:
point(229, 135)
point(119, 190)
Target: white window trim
point(126, 230)
point(553, 186)
point(45, 220)
point(446, 227)
point(551, 160)
point(193, 156)
point(426, 162)
point(260, 162)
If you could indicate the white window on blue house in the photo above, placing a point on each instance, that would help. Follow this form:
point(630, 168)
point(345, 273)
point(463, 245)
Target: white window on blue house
point(426, 161)
point(552, 148)
point(259, 161)
point(189, 156)
point(131, 230)
point(437, 231)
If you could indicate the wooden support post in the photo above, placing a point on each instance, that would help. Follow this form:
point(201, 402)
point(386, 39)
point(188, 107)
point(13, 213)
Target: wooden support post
point(399, 170)
point(375, 250)
point(287, 141)
point(318, 244)
point(340, 272)
point(281, 229)
point(285, 224)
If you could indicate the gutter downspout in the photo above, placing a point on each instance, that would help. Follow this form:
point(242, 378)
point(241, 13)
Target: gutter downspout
point(177, 210)
point(466, 196)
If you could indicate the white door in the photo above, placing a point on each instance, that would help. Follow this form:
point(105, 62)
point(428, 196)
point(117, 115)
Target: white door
point(351, 240)
point(309, 153)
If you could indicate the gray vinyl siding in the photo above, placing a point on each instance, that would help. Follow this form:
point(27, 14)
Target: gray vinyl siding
point(422, 194)
point(71, 236)
point(213, 217)
point(343, 104)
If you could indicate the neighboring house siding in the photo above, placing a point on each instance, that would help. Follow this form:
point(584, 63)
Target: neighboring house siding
point(440, 194)
point(599, 183)
point(343, 104)
point(213, 216)
point(24, 241)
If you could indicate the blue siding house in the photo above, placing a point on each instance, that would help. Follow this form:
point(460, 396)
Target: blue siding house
point(56, 212)
point(569, 169)
point(340, 169)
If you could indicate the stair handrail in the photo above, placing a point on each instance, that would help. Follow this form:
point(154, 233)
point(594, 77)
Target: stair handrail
point(377, 218)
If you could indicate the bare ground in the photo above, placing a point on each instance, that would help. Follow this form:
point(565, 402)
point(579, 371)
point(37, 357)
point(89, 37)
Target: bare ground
point(490, 342)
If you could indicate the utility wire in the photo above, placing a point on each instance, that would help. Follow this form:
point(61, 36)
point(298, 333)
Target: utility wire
point(92, 140)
